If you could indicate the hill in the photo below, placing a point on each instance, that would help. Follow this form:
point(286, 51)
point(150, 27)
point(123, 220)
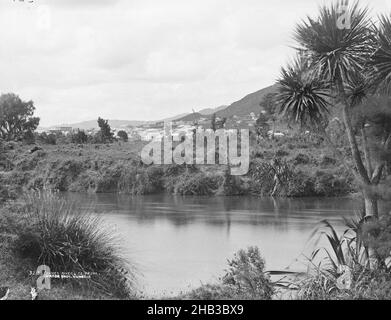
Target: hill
point(242, 107)
point(91, 124)
point(248, 104)
point(210, 111)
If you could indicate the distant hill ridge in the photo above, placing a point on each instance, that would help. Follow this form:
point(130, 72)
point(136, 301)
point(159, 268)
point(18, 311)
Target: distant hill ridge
point(244, 106)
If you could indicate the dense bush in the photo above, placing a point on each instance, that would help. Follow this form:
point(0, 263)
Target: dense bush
point(45, 138)
point(79, 137)
point(58, 175)
point(245, 279)
point(261, 177)
point(141, 180)
point(328, 185)
point(231, 185)
point(377, 236)
point(123, 135)
point(301, 185)
point(199, 184)
point(301, 159)
point(348, 271)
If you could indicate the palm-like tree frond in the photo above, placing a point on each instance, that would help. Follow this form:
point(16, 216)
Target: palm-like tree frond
point(302, 98)
point(381, 60)
point(335, 51)
point(357, 88)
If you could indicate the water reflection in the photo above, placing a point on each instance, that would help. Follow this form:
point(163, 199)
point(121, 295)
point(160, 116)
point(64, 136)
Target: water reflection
point(180, 241)
point(181, 211)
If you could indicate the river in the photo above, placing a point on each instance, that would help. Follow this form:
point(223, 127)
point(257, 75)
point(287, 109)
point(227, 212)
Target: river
point(177, 243)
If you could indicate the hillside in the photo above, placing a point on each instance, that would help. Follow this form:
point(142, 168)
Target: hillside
point(210, 111)
point(248, 104)
point(245, 106)
point(191, 117)
point(91, 124)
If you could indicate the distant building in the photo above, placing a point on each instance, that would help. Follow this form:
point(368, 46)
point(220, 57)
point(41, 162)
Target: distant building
point(61, 130)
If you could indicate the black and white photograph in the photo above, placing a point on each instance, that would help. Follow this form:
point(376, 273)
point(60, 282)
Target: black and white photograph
point(207, 153)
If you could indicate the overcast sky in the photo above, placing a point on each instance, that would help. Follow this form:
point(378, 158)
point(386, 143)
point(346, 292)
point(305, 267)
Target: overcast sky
point(143, 59)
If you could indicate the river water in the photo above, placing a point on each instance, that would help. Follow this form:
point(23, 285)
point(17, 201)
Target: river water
point(180, 242)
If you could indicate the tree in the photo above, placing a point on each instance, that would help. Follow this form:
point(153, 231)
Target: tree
point(262, 126)
point(269, 108)
point(47, 138)
point(123, 135)
point(105, 134)
point(16, 117)
point(217, 124)
point(213, 122)
point(79, 137)
point(348, 65)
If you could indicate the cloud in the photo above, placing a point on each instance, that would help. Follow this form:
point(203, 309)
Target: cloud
point(142, 59)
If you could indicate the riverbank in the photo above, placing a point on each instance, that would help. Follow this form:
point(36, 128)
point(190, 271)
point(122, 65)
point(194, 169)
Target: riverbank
point(281, 168)
point(84, 259)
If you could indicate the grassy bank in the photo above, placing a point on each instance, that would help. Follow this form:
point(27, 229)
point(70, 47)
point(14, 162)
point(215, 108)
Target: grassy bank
point(303, 169)
point(42, 229)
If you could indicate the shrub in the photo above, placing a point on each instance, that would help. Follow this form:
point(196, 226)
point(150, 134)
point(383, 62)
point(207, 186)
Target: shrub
point(140, 180)
point(123, 135)
point(47, 138)
point(346, 271)
point(29, 137)
point(79, 137)
point(200, 184)
point(60, 174)
point(231, 185)
point(301, 185)
point(246, 273)
point(377, 236)
point(58, 234)
point(328, 185)
point(326, 161)
point(301, 159)
point(282, 153)
point(261, 177)
point(244, 279)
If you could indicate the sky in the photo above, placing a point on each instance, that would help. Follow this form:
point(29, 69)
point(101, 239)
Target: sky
point(144, 59)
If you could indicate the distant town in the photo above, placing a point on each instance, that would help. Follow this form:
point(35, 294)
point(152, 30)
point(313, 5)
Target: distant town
point(147, 131)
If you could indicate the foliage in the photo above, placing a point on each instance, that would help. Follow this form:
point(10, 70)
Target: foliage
point(16, 117)
point(123, 135)
point(381, 59)
point(58, 234)
point(245, 279)
point(105, 135)
point(47, 138)
point(262, 126)
point(217, 124)
point(377, 235)
point(302, 97)
point(353, 63)
point(346, 271)
point(246, 273)
point(29, 137)
point(200, 184)
point(336, 53)
point(80, 137)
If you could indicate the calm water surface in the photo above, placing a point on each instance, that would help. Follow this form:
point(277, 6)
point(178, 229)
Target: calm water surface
point(181, 242)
